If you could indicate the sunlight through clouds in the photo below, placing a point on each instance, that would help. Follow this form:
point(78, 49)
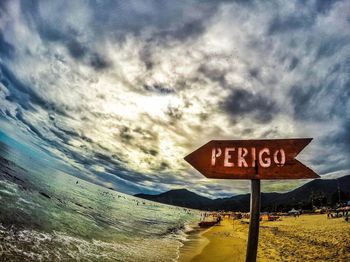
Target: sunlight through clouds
point(126, 94)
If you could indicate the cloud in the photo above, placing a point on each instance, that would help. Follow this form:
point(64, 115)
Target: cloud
point(241, 103)
point(6, 49)
point(123, 90)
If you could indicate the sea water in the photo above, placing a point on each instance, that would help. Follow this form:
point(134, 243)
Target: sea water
point(55, 217)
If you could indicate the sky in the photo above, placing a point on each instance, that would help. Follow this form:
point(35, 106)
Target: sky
point(121, 91)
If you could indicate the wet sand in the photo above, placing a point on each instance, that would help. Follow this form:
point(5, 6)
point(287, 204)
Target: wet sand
point(218, 243)
point(307, 238)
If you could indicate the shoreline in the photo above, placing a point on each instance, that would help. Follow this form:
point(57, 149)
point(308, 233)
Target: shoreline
point(304, 238)
point(194, 243)
point(214, 244)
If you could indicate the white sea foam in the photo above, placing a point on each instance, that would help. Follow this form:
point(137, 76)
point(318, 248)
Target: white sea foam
point(6, 192)
point(31, 245)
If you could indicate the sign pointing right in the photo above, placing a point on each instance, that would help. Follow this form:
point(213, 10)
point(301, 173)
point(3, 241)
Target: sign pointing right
point(251, 159)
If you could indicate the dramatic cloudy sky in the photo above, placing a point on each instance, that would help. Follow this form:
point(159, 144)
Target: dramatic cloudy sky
point(122, 90)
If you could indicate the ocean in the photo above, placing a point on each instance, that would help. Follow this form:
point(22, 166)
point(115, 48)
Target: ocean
point(57, 217)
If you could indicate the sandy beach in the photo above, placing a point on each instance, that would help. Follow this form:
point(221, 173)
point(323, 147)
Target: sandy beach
point(306, 238)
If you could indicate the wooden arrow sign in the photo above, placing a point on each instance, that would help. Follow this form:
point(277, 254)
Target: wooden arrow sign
point(251, 159)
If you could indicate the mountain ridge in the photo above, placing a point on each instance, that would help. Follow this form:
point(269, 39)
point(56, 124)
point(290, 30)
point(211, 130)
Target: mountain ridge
point(318, 192)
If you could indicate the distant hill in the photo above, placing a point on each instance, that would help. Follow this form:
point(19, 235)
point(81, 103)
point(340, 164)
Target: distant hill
point(318, 192)
point(179, 197)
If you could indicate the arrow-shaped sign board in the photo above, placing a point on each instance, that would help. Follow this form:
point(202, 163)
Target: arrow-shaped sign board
point(251, 159)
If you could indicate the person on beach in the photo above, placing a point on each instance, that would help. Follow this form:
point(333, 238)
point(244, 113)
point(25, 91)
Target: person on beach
point(218, 219)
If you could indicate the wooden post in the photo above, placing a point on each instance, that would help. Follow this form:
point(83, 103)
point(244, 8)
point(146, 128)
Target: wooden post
point(253, 237)
point(210, 160)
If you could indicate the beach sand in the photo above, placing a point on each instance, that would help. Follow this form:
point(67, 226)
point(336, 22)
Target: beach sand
point(306, 238)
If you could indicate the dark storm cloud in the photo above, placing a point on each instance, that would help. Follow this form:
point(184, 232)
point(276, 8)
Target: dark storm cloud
point(20, 117)
point(60, 135)
point(333, 154)
point(19, 93)
point(133, 17)
point(163, 166)
point(286, 24)
point(329, 47)
point(125, 134)
point(215, 75)
point(158, 88)
point(341, 138)
point(254, 72)
point(149, 151)
point(98, 62)
point(241, 102)
point(66, 135)
point(324, 6)
point(187, 30)
point(104, 158)
point(6, 49)
point(76, 49)
point(162, 15)
point(24, 95)
point(68, 35)
point(293, 63)
point(302, 100)
point(320, 103)
point(299, 20)
point(88, 159)
point(146, 56)
point(8, 114)
point(46, 30)
point(189, 54)
point(44, 141)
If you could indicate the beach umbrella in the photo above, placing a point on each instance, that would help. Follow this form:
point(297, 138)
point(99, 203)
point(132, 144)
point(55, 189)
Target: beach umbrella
point(293, 211)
